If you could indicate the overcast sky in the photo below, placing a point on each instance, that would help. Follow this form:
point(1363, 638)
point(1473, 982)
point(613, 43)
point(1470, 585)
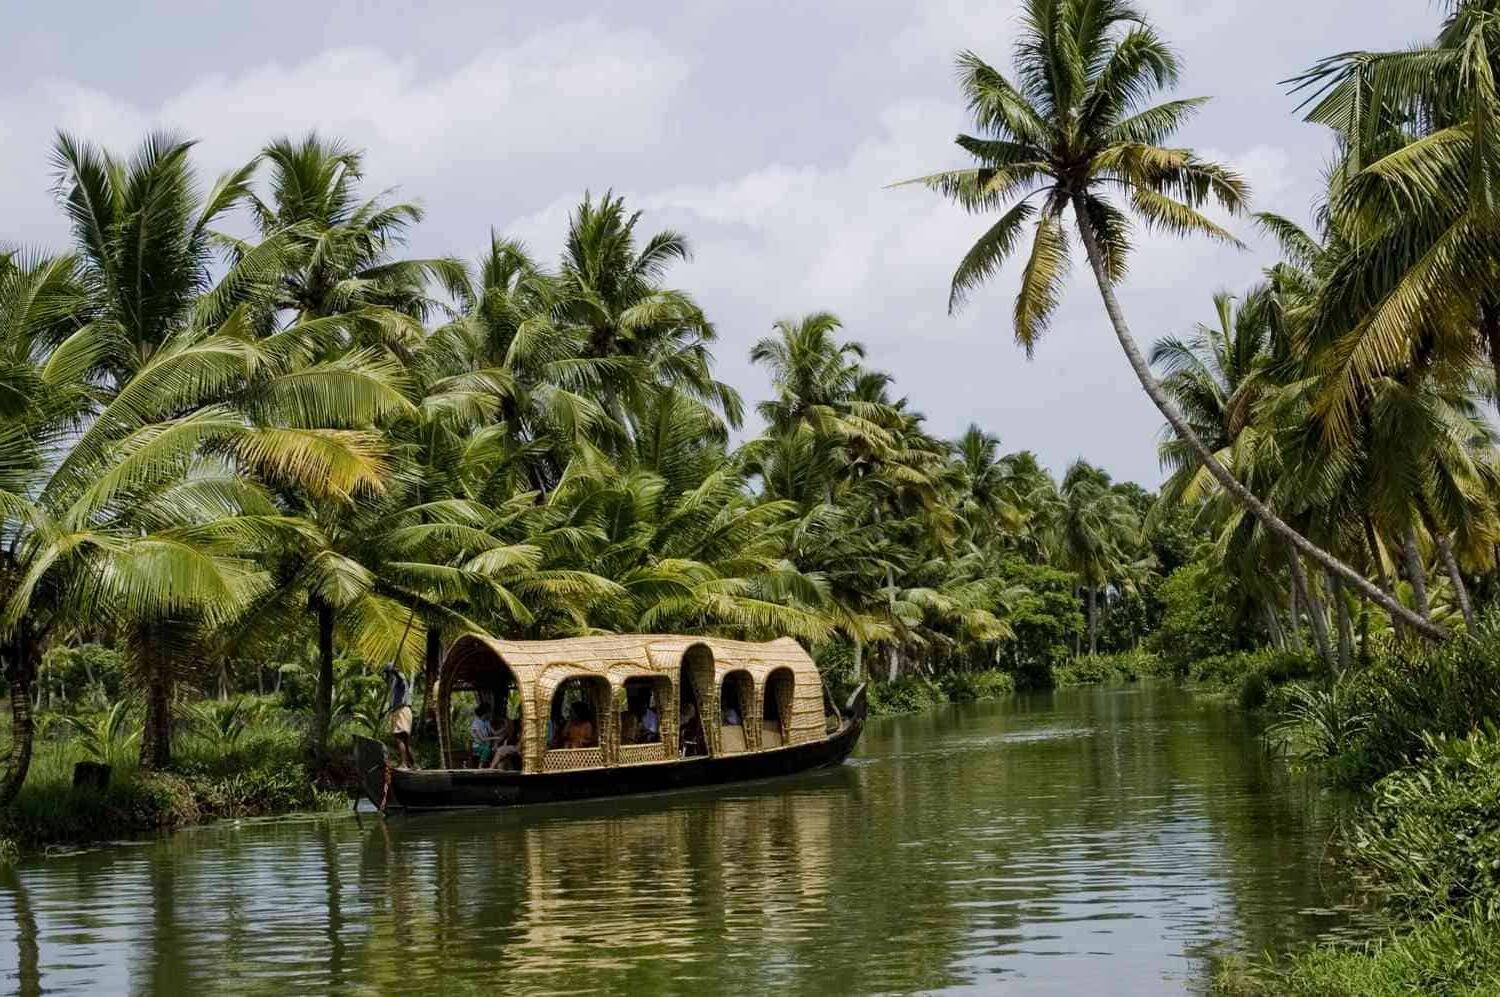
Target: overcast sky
point(766, 132)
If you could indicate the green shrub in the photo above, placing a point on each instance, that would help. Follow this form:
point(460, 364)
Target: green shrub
point(1197, 617)
point(1451, 954)
point(1252, 676)
point(974, 687)
point(906, 695)
point(1094, 669)
point(1318, 723)
point(1431, 837)
point(1449, 690)
point(258, 771)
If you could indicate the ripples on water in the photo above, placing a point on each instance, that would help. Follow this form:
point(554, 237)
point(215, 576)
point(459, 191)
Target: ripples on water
point(1108, 841)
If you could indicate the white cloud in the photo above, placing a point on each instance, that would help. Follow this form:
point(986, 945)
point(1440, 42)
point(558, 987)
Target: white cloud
point(786, 204)
point(564, 94)
point(788, 238)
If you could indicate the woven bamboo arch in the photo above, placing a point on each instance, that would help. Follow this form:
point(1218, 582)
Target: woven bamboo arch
point(780, 689)
point(665, 689)
point(600, 696)
point(472, 665)
point(743, 684)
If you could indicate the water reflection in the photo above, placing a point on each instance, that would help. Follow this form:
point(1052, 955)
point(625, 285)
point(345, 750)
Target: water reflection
point(1085, 840)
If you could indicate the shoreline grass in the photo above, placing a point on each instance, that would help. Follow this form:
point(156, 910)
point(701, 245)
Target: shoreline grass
point(256, 767)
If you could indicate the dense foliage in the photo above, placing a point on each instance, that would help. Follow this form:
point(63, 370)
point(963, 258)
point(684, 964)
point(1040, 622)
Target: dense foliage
point(248, 448)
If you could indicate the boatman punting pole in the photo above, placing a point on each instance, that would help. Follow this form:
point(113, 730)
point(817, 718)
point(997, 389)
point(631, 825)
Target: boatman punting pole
point(399, 707)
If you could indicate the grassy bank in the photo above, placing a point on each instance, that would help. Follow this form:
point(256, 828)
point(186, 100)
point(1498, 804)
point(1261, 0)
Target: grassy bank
point(1102, 669)
point(915, 694)
point(1416, 733)
point(244, 760)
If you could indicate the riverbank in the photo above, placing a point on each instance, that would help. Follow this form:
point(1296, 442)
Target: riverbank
point(915, 694)
point(1414, 732)
point(241, 770)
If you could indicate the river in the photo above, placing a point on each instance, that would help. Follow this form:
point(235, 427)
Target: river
point(1082, 841)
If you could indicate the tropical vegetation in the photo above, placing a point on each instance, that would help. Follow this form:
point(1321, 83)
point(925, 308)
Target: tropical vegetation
point(240, 473)
point(251, 451)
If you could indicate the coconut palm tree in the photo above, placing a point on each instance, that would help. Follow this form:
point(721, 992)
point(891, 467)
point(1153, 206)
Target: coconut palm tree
point(46, 362)
point(192, 378)
point(341, 247)
point(1415, 189)
point(653, 337)
point(1096, 531)
point(1073, 129)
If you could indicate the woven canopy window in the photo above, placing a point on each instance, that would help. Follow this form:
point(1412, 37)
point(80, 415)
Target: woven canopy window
point(777, 708)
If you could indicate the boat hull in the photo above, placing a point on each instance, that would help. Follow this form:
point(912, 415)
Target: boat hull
point(442, 789)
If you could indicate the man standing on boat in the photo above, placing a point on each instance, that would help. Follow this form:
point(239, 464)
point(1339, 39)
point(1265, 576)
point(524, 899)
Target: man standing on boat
point(400, 714)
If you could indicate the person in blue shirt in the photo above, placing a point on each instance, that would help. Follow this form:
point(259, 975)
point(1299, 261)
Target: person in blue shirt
point(399, 711)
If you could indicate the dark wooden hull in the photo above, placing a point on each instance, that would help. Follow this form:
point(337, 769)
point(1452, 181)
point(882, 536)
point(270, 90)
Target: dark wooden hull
point(442, 789)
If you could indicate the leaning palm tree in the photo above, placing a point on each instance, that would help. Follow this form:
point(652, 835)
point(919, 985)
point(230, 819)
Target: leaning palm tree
point(1073, 129)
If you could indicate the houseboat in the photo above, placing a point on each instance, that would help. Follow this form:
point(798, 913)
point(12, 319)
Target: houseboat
point(617, 715)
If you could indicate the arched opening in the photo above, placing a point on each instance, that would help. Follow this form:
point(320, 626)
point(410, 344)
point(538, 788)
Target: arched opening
point(577, 712)
point(776, 709)
point(736, 703)
point(479, 709)
point(645, 727)
point(695, 683)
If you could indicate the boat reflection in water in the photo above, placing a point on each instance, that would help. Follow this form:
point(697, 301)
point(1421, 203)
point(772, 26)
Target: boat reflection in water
point(597, 895)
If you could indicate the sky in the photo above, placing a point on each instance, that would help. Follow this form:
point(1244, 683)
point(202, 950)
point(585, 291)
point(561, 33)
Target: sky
point(768, 133)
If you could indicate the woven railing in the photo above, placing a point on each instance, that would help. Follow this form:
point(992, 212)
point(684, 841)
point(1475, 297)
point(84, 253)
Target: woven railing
point(641, 754)
point(572, 759)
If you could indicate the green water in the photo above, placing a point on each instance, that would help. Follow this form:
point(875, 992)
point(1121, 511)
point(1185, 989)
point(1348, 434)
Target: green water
point(1085, 841)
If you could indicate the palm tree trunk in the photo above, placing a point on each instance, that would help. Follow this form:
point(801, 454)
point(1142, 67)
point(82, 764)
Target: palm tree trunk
point(1378, 563)
point(1221, 474)
point(156, 733)
point(323, 697)
point(1456, 577)
point(432, 661)
point(1449, 562)
point(1416, 574)
point(1093, 620)
point(1273, 626)
point(20, 672)
point(1341, 614)
point(1364, 632)
point(859, 659)
point(1294, 616)
point(1315, 617)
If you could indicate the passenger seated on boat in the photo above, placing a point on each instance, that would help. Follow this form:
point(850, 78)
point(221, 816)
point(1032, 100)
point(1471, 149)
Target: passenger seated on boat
point(579, 732)
point(639, 724)
point(507, 752)
point(482, 735)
